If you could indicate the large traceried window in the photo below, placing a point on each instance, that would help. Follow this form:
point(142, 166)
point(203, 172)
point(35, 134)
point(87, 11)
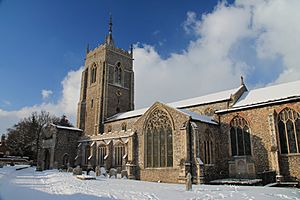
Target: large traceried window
point(118, 75)
point(240, 137)
point(119, 150)
point(289, 131)
point(208, 147)
point(102, 153)
point(159, 140)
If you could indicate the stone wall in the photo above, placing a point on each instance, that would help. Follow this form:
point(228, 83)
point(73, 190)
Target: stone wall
point(262, 139)
point(66, 143)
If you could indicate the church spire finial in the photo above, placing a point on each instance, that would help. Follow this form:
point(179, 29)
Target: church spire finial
point(242, 80)
point(109, 38)
point(110, 23)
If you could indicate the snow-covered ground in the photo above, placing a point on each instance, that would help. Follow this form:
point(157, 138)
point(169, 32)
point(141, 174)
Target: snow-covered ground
point(51, 184)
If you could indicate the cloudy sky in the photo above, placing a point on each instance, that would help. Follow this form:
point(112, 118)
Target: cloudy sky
point(182, 48)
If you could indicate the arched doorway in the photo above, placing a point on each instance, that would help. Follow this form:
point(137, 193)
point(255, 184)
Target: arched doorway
point(47, 159)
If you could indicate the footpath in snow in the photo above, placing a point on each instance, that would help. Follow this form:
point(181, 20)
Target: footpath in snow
point(51, 184)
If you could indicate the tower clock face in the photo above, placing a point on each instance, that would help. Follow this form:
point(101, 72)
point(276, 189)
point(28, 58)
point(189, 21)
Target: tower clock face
point(118, 93)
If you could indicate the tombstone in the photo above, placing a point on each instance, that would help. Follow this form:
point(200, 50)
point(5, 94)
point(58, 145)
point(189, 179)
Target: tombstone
point(188, 182)
point(112, 173)
point(1, 165)
point(97, 170)
point(92, 173)
point(77, 171)
point(70, 169)
point(124, 174)
point(103, 172)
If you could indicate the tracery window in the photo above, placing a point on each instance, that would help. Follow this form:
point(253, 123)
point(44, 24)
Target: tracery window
point(159, 140)
point(208, 147)
point(94, 73)
point(240, 137)
point(289, 131)
point(118, 74)
point(119, 154)
point(87, 153)
point(102, 153)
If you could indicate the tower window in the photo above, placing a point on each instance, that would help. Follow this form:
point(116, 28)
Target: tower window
point(92, 103)
point(118, 75)
point(289, 131)
point(240, 137)
point(94, 73)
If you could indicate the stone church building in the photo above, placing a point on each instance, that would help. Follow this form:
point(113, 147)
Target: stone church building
point(236, 133)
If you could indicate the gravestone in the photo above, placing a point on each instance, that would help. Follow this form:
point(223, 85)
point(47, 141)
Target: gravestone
point(77, 171)
point(188, 183)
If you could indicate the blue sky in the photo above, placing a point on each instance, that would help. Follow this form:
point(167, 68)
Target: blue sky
point(187, 45)
point(42, 40)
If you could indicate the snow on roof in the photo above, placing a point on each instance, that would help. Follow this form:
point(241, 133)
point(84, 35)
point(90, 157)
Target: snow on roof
point(66, 127)
point(214, 97)
point(269, 94)
point(129, 114)
point(197, 117)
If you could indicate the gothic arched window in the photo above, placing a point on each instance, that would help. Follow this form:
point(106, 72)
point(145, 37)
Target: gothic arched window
point(240, 137)
point(118, 75)
point(102, 154)
point(94, 73)
point(159, 140)
point(208, 147)
point(87, 153)
point(289, 131)
point(119, 151)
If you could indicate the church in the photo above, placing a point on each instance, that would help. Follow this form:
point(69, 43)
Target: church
point(237, 133)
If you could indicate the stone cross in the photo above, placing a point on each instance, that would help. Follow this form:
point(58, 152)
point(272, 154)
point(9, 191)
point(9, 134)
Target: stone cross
point(188, 182)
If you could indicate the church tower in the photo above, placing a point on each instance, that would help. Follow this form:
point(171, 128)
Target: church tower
point(107, 85)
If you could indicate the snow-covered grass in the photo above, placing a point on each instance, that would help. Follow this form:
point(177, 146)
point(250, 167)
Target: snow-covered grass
point(51, 184)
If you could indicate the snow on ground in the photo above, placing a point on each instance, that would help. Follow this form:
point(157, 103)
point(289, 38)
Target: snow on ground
point(51, 184)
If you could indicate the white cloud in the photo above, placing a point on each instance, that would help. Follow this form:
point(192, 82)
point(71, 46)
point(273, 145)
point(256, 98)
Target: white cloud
point(46, 93)
point(245, 38)
point(257, 39)
point(67, 104)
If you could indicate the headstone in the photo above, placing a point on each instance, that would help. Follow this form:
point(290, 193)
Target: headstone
point(1, 165)
point(92, 173)
point(77, 171)
point(188, 182)
point(70, 169)
point(124, 174)
point(103, 172)
point(112, 173)
point(97, 170)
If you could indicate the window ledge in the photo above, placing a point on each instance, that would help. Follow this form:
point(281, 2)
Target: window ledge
point(290, 154)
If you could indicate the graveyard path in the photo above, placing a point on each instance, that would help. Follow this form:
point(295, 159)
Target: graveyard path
point(52, 184)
